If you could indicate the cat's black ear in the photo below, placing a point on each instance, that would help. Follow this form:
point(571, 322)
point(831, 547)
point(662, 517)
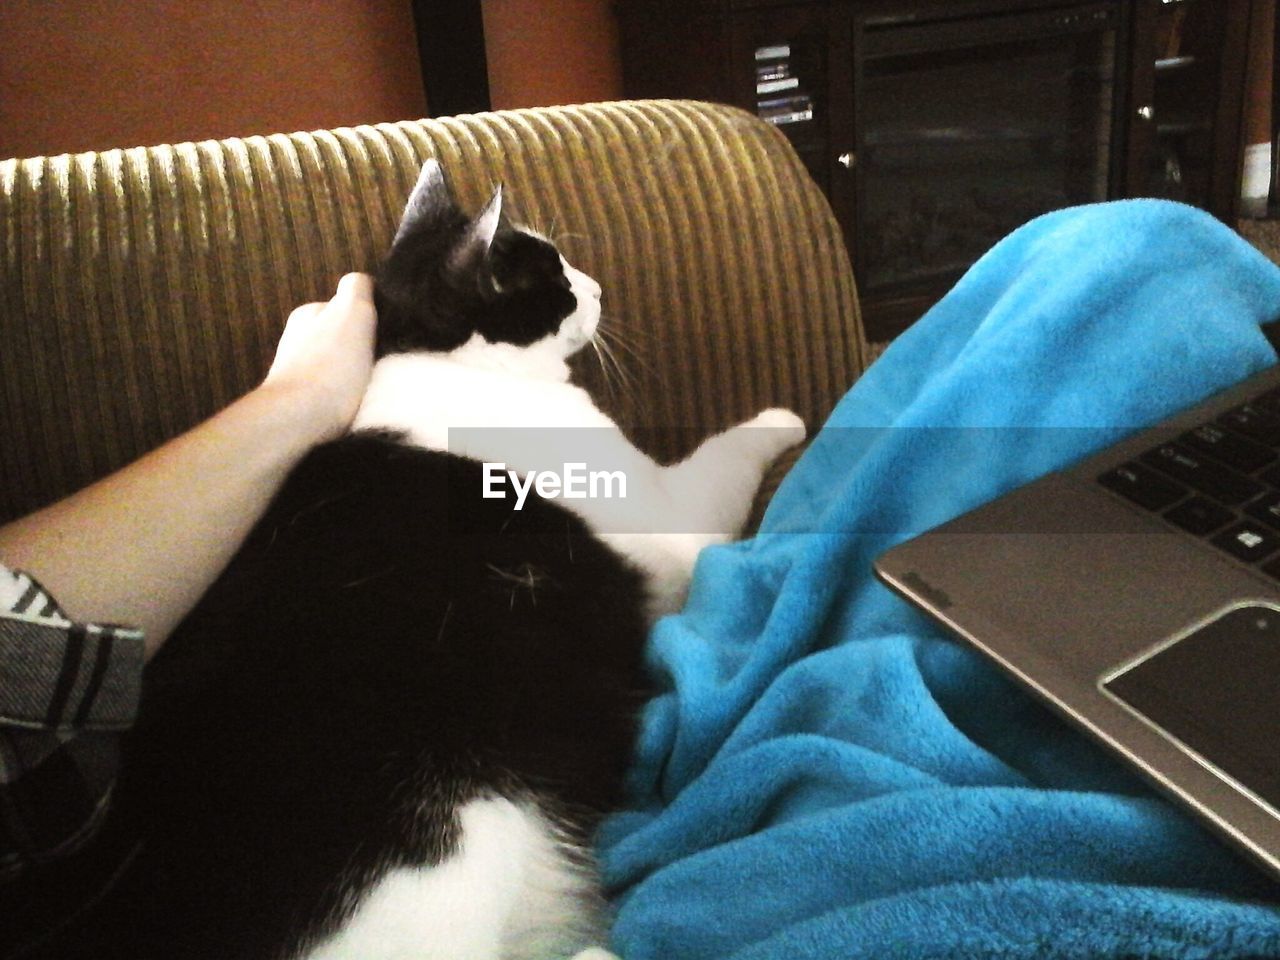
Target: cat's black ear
point(430, 201)
point(477, 238)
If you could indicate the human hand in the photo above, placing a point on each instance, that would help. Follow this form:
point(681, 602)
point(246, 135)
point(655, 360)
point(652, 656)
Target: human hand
point(325, 354)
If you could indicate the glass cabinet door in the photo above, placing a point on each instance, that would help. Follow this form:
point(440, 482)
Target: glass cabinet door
point(968, 128)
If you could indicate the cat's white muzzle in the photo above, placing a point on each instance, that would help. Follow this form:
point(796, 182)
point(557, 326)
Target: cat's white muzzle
point(580, 326)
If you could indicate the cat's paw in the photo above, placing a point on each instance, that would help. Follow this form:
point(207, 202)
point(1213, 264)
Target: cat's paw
point(786, 429)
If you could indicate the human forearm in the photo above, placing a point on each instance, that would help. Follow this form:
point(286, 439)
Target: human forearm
point(142, 545)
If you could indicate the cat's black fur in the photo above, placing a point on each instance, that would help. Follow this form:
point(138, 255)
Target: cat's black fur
point(440, 284)
point(386, 646)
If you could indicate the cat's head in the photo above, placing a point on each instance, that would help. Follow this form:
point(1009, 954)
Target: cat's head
point(450, 278)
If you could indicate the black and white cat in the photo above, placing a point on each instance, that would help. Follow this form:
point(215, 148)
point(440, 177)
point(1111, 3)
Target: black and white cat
point(389, 729)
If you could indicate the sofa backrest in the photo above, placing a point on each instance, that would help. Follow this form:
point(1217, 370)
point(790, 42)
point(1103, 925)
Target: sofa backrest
point(142, 289)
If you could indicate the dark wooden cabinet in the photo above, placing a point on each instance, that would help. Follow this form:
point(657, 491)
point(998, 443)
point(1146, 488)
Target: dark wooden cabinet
point(1187, 102)
point(934, 128)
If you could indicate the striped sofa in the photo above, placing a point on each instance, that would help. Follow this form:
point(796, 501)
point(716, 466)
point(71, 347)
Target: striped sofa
point(142, 289)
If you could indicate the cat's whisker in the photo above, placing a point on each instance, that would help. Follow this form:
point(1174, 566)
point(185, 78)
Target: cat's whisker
point(620, 332)
point(600, 360)
point(557, 238)
point(605, 373)
point(604, 369)
point(608, 347)
point(608, 341)
point(615, 338)
point(625, 379)
point(614, 341)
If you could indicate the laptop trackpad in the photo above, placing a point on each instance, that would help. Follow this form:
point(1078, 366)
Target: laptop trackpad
point(1216, 690)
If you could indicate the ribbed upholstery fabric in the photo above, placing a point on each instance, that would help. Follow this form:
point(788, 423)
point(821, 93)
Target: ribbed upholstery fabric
point(142, 289)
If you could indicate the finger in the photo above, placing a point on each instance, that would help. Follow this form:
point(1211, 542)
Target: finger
point(306, 310)
point(355, 286)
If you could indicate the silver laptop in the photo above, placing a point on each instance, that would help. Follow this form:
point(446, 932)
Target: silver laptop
point(1139, 593)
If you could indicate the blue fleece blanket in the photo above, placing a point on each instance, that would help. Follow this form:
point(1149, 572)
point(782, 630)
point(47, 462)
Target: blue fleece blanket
point(827, 774)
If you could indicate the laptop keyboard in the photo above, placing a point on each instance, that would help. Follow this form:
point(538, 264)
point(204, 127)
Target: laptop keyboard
point(1219, 481)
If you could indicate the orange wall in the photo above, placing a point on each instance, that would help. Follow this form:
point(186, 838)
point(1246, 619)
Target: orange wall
point(544, 52)
point(91, 74)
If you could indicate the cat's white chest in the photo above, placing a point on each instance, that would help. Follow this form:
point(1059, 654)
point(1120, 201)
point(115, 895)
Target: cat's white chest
point(444, 404)
point(513, 891)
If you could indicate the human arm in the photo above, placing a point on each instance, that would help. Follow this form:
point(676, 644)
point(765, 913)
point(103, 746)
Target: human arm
point(142, 545)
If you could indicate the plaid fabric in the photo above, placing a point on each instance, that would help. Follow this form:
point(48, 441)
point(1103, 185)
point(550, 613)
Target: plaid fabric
point(66, 691)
